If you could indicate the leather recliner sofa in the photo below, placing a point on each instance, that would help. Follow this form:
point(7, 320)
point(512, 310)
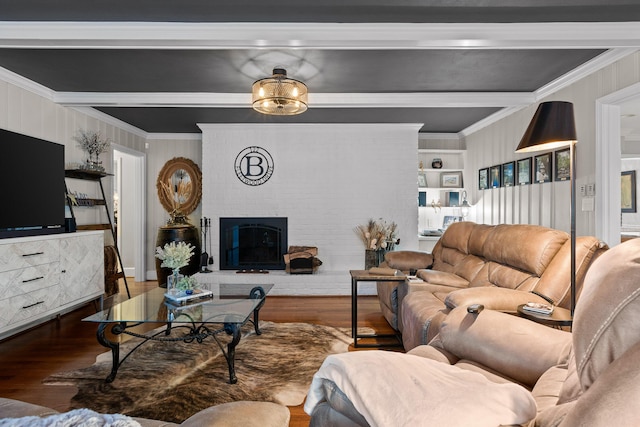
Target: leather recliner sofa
point(499, 266)
point(587, 377)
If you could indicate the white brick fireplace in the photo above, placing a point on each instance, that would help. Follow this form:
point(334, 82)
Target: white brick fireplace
point(326, 180)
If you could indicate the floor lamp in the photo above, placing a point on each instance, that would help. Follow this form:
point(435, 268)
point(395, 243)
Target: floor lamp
point(553, 126)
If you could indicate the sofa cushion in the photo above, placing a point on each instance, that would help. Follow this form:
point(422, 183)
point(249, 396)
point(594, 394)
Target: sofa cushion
point(444, 278)
point(510, 352)
point(607, 319)
point(526, 247)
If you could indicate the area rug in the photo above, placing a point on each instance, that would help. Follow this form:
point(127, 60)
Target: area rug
point(171, 381)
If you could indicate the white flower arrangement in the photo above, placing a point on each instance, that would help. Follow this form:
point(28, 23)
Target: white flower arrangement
point(378, 235)
point(92, 142)
point(175, 255)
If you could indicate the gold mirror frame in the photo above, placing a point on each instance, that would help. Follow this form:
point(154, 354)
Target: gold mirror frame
point(167, 175)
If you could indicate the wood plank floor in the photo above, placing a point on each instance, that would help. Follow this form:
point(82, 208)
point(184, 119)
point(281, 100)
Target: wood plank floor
point(68, 343)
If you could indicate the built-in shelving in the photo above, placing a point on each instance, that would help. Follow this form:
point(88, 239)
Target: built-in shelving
point(85, 202)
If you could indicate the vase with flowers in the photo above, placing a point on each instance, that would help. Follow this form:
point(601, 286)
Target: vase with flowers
point(175, 255)
point(94, 144)
point(379, 237)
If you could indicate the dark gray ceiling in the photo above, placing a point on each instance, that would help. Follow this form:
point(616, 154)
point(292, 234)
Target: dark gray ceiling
point(82, 71)
point(321, 10)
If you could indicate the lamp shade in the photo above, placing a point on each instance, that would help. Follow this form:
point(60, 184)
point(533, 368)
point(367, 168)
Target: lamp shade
point(552, 126)
point(279, 95)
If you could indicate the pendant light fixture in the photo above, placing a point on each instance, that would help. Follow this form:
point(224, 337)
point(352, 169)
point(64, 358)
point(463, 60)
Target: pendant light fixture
point(279, 95)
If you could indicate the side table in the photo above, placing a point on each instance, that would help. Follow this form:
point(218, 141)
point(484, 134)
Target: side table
point(364, 276)
point(558, 318)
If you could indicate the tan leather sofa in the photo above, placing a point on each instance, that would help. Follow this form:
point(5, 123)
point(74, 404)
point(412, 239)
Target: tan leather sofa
point(500, 266)
point(587, 377)
point(235, 414)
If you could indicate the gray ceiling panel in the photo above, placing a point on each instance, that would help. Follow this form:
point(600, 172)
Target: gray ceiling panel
point(162, 67)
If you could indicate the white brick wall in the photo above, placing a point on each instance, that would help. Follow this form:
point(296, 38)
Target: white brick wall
point(327, 179)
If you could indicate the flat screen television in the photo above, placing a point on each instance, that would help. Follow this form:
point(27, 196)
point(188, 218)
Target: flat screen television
point(33, 193)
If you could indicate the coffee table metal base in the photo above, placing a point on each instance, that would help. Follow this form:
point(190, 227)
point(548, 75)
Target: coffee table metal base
point(197, 332)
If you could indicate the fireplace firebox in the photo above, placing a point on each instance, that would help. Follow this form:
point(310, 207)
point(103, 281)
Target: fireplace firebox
point(253, 243)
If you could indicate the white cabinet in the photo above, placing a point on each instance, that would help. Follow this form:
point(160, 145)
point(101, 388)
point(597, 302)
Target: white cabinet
point(42, 276)
point(81, 267)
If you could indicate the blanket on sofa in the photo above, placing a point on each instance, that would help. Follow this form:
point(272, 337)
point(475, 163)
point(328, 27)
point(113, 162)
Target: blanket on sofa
point(395, 389)
point(75, 418)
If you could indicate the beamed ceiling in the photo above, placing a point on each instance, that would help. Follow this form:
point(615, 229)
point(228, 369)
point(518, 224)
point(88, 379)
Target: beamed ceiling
point(164, 66)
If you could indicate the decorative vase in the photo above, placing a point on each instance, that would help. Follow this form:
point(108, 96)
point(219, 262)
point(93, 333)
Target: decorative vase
point(373, 258)
point(188, 234)
point(93, 163)
point(436, 163)
point(172, 281)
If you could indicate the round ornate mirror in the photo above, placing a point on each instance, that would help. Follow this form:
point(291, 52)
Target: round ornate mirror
point(179, 187)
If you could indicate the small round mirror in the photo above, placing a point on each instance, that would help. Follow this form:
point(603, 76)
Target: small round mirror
point(179, 187)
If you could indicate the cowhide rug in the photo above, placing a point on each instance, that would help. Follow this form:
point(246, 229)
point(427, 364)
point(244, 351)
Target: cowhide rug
point(171, 381)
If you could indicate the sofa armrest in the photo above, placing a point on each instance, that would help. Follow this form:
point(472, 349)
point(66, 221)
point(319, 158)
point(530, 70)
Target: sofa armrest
point(512, 346)
point(408, 260)
point(11, 408)
point(241, 414)
point(492, 297)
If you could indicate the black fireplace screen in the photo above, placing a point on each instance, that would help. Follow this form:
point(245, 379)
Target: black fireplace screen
point(253, 243)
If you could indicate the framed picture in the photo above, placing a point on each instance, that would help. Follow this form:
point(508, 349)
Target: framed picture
point(563, 165)
point(422, 180)
point(483, 179)
point(422, 198)
point(542, 168)
point(451, 179)
point(495, 175)
point(628, 191)
point(523, 171)
point(508, 174)
point(448, 220)
point(453, 198)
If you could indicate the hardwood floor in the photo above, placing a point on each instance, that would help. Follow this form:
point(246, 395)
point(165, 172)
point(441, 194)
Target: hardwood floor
point(68, 343)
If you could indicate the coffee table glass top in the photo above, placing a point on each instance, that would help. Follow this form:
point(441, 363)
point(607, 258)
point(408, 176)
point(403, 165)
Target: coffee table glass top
point(231, 303)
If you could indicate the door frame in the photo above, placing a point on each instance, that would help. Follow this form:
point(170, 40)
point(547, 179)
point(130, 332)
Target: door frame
point(140, 231)
point(608, 158)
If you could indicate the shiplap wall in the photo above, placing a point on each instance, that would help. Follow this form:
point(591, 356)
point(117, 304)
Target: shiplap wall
point(159, 152)
point(30, 113)
point(545, 204)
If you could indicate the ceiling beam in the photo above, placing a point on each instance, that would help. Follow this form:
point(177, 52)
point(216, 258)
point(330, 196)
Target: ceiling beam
point(317, 100)
point(149, 35)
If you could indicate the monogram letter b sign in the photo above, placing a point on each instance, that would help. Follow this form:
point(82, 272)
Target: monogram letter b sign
point(254, 166)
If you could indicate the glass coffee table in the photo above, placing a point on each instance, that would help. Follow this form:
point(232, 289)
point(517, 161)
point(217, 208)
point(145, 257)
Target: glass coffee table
point(227, 310)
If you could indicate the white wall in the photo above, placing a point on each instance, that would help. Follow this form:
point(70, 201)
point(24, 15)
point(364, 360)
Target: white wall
point(546, 204)
point(327, 180)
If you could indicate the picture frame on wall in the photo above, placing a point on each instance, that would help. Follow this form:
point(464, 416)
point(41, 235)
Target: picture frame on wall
point(542, 168)
point(563, 165)
point(495, 175)
point(628, 192)
point(508, 174)
point(483, 179)
point(523, 171)
point(422, 180)
point(451, 179)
